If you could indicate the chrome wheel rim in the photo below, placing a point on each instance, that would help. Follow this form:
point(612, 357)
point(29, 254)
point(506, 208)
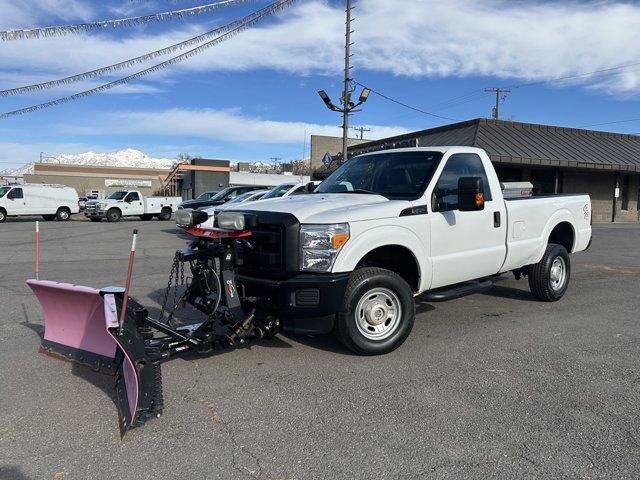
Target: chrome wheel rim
point(558, 273)
point(378, 314)
point(64, 215)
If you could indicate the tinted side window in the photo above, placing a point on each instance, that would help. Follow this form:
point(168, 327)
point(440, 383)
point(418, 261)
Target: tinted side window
point(16, 193)
point(300, 190)
point(133, 197)
point(460, 165)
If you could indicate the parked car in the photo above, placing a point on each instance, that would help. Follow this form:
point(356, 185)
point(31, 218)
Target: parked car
point(212, 211)
point(288, 189)
point(131, 203)
point(50, 201)
point(221, 197)
point(391, 225)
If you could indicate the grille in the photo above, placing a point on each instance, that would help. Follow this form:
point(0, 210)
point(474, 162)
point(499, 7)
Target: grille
point(267, 255)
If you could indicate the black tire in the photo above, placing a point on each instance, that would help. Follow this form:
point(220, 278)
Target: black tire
point(165, 214)
point(3, 215)
point(48, 218)
point(114, 215)
point(63, 214)
point(146, 217)
point(543, 282)
point(375, 283)
point(95, 219)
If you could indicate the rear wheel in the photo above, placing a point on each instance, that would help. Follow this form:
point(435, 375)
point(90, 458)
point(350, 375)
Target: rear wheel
point(165, 214)
point(48, 218)
point(63, 214)
point(549, 278)
point(378, 312)
point(114, 215)
point(3, 215)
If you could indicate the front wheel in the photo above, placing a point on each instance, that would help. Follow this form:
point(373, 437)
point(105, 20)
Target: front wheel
point(3, 215)
point(113, 215)
point(378, 312)
point(549, 278)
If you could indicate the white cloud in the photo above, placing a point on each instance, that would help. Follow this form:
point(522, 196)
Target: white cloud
point(419, 38)
point(225, 125)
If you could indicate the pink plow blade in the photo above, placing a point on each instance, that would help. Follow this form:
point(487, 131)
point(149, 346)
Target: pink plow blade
point(74, 324)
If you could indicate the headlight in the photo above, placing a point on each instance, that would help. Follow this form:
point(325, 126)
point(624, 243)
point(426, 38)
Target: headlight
point(320, 244)
point(231, 220)
point(190, 218)
point(235, 220)
point(102, 205)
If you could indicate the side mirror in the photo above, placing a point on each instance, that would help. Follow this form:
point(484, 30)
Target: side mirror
point(470, 194)
point(311, 187)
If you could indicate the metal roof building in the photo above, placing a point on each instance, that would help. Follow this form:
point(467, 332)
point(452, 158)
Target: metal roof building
point(555, 159)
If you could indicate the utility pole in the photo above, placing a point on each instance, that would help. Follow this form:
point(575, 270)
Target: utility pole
point(495, 114)
point(346, 93)
point(361, 130)
point(348, 106)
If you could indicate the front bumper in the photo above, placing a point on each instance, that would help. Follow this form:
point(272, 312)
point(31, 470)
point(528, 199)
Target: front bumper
point(305, 303)
point(95, 213)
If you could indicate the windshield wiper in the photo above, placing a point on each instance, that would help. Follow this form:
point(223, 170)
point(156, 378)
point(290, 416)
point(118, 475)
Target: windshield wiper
point(361, 190)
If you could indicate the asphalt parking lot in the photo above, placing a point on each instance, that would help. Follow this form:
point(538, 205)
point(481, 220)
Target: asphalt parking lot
point(495, 385)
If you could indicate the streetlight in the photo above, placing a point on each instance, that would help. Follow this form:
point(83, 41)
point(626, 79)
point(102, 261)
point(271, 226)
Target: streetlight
point(347, 107)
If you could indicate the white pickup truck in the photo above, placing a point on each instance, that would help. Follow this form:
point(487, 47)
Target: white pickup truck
point(388, 226)
point(131, 203)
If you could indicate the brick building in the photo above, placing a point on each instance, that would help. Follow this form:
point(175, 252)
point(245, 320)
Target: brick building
point(555, 159)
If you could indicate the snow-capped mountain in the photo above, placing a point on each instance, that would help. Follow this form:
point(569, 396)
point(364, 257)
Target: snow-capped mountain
point(128, 157)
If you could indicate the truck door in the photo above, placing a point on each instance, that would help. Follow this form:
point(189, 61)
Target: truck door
point(465, 245)
point(133, 204)
point(16, 203)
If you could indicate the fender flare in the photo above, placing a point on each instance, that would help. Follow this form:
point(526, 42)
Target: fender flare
point(356, 249)
point(561, 216)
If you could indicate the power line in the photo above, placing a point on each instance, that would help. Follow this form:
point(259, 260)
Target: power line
point(406, 105)
point(611, 123)
point(578, 75)
point(120, 65)
point(27, 33)
point(244, 24)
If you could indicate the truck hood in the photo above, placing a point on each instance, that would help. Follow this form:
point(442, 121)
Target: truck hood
point(330, 208)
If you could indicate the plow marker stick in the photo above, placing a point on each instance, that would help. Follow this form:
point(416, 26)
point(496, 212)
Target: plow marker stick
point(37, 250)
point(125, 300)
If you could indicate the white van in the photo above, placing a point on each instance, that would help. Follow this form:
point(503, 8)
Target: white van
point(50, 201)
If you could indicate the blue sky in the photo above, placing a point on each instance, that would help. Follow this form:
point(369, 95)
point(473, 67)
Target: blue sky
point(254, 96)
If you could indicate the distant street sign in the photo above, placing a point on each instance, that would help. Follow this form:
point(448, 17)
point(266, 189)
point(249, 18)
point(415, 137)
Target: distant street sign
point(327, 159)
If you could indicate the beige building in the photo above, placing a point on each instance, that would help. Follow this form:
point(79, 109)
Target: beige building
point(106, 180)
point(321, 145)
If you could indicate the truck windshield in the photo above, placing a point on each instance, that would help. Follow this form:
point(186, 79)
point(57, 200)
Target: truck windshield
point(117, 195)
point(3, 191)
point(279, 191)
point(206, 195)
point(395, 175)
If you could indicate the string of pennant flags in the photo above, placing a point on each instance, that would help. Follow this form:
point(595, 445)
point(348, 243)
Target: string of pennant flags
point(210, 39)
point(29, 33)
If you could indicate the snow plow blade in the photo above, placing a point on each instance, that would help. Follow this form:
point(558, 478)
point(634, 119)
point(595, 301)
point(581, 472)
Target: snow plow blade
point(74, 324)
point(81, 325)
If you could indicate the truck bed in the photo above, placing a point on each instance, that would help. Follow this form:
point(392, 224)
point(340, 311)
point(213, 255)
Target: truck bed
point(530, 221)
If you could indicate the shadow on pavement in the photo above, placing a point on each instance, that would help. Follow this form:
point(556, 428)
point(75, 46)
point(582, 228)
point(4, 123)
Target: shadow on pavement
point(11, 472)
point(510, 292)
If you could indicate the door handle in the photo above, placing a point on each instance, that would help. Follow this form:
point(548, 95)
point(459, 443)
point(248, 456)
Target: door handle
point(496, 219)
